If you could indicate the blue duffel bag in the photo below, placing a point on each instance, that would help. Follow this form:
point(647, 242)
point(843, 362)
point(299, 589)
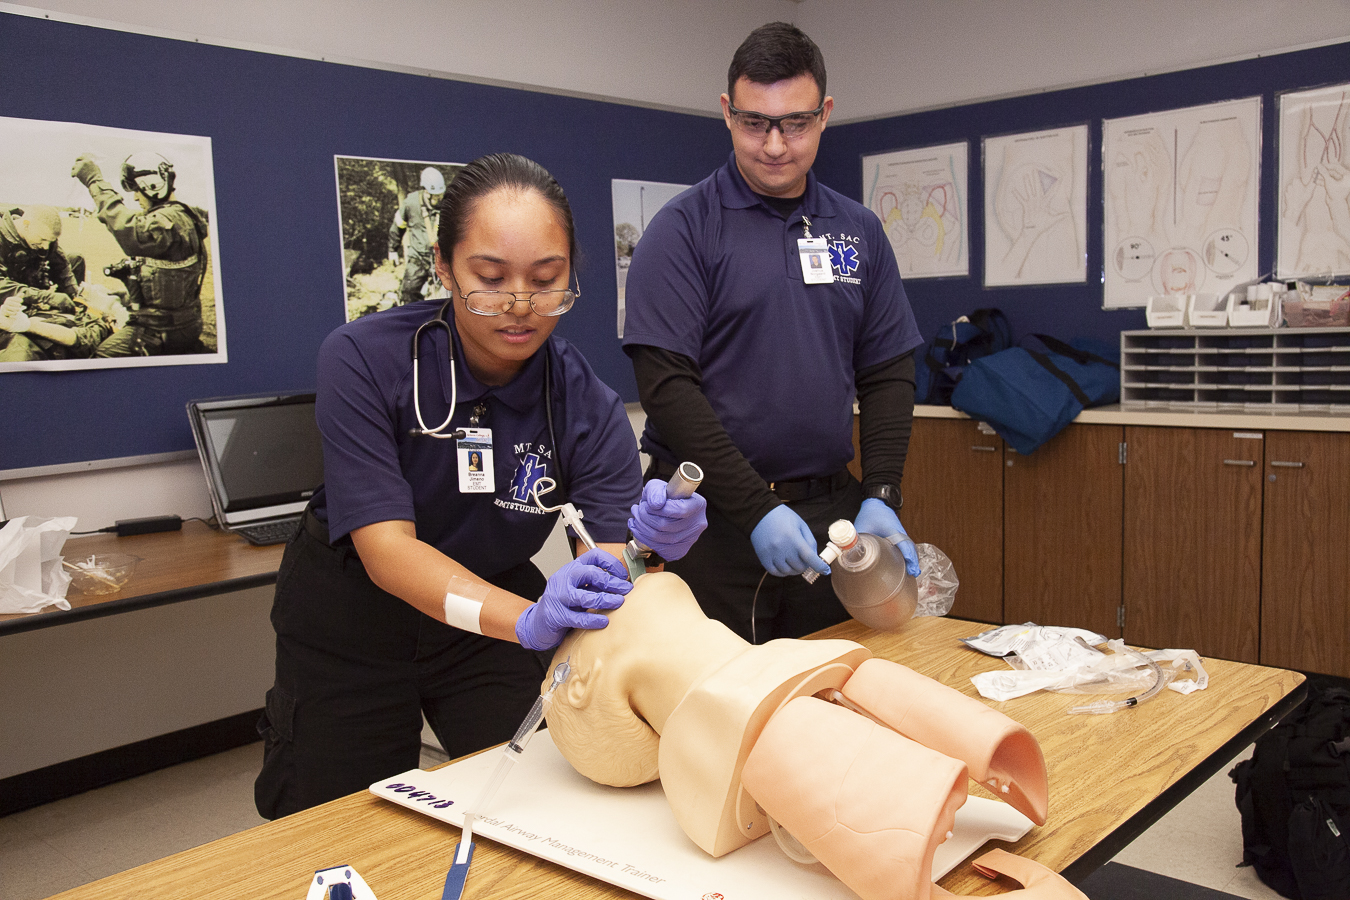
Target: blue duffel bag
point(981, 333)
point(1030, 392)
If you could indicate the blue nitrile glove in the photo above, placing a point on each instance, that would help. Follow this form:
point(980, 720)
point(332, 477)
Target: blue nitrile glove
point(669, 527)
point(877, 518)
point(594, 580)
point(784, 545)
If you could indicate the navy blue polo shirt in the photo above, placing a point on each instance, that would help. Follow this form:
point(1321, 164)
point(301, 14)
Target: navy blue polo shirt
point(717, 277)
point(375, 471)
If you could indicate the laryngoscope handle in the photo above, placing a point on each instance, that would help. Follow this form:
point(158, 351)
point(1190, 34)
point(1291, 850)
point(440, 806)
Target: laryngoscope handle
point(681, 486)
point(684, 482)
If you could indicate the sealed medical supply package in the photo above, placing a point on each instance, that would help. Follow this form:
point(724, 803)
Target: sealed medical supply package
point(31, 575)
point(1067, 660)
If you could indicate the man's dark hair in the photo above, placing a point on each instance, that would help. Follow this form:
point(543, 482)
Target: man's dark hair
point(774, 52)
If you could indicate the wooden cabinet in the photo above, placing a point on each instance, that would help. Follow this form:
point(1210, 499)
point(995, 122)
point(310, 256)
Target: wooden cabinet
point(1192, 540)
point(1233, 543)
point(1305, 579)
point(953, 491)
point(1062, 531)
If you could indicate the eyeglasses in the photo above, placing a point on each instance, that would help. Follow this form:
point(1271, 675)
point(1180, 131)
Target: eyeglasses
point(790, 126)
point(544, 303)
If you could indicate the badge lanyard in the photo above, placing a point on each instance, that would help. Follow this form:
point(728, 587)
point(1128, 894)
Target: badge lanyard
point(475, 456)
point(815, 257)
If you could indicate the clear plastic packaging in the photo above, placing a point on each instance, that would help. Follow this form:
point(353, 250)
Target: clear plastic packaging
point(1060, 660)
point(1318, 306)
point(937, 582)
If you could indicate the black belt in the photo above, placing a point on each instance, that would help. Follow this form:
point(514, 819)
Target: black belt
point(806, 488)
point(316, 528)
point(787, 491)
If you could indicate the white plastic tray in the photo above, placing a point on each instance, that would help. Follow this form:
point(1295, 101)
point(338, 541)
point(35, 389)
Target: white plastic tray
point(629, 836)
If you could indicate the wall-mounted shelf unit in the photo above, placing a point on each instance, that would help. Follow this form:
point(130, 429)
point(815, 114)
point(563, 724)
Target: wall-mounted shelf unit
point(1287, 369)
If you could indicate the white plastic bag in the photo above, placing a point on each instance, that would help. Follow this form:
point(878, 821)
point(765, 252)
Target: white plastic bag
point(31, 575)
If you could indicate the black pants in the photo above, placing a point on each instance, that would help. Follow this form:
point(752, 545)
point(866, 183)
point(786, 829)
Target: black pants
point(724, 573)
point(356, 669)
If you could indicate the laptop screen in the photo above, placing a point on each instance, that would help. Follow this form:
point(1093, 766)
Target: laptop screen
point(262, 454)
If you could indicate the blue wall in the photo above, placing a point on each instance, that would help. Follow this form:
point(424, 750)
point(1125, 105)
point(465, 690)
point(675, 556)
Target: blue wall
point(1071, 311)
point(275, 124)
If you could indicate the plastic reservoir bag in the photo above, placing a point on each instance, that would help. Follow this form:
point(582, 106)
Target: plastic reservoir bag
point(31, 576)
point(1059, 659)
point(937, 582)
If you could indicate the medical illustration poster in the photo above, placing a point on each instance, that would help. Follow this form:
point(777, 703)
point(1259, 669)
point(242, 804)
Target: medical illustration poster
point(920, 197)
point(1180, 195)
point(108, 248)
point(1314, 225)
point(635, 202)
point(389, 210)
point(1035, 207)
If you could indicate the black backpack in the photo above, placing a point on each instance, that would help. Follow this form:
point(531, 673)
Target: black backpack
point(1294, 797)
point(981, 333)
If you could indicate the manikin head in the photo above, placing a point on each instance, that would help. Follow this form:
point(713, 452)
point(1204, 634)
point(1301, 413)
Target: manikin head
point(627, 677)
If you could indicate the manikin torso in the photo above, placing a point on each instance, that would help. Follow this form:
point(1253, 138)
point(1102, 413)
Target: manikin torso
point(666, 690)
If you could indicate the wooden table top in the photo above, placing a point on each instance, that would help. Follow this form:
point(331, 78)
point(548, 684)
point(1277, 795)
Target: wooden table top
point(197, 561)
point(1110, 778)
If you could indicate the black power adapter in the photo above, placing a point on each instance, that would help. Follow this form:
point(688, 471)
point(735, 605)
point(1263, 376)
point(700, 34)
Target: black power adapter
point(147, 525)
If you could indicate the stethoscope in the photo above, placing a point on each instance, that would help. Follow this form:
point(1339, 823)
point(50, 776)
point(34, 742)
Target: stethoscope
point(441, 320)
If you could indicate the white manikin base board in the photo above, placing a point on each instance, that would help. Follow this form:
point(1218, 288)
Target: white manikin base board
point(629, 836)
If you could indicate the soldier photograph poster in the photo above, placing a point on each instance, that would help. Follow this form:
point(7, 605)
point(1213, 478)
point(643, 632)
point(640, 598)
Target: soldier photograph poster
point(107, 248)
point(390, 211)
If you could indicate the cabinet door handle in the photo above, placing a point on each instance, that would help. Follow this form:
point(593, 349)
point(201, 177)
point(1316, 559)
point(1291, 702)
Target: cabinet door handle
point(1239, 462)
point(983, 449)
point(1280, 464)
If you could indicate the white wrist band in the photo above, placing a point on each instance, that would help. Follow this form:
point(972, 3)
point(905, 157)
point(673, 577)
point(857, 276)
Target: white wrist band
point(464, 603)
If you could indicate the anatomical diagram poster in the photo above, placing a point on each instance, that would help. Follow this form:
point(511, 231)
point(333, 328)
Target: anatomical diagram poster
point(1180, 194)
point(920, 197)
point(1035, 207)
point(1314, 225)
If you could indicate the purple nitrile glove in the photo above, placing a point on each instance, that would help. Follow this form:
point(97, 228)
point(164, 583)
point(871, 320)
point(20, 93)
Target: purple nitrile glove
point(665, 525)
point(594, 580)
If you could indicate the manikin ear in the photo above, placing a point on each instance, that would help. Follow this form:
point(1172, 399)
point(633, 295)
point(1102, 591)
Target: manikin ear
point(579, 688)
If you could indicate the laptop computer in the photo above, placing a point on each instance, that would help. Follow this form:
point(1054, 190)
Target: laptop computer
point(263, 460)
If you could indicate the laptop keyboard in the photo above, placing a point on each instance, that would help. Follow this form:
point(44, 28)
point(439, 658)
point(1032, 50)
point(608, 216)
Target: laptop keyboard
point(264, 533)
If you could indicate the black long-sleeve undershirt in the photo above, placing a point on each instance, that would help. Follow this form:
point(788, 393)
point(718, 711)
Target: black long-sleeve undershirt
point(670, 386)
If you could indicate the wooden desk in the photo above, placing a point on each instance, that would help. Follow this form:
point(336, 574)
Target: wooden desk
point(1110, 778)
point(197, 561)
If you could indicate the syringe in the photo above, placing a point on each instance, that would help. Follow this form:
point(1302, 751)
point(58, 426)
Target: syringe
point(454, 880)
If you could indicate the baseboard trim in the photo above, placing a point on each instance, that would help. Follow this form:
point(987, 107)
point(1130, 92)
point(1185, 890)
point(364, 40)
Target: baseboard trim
point(75, 776)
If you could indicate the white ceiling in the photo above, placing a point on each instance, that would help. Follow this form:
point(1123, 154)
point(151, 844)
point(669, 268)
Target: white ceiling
point(884, 56)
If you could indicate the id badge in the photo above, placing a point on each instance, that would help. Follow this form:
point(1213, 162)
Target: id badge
point(815, 256)
point(475, 461)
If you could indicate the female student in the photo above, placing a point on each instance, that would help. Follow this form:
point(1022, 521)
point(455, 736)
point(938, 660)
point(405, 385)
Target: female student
point(409, 589)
